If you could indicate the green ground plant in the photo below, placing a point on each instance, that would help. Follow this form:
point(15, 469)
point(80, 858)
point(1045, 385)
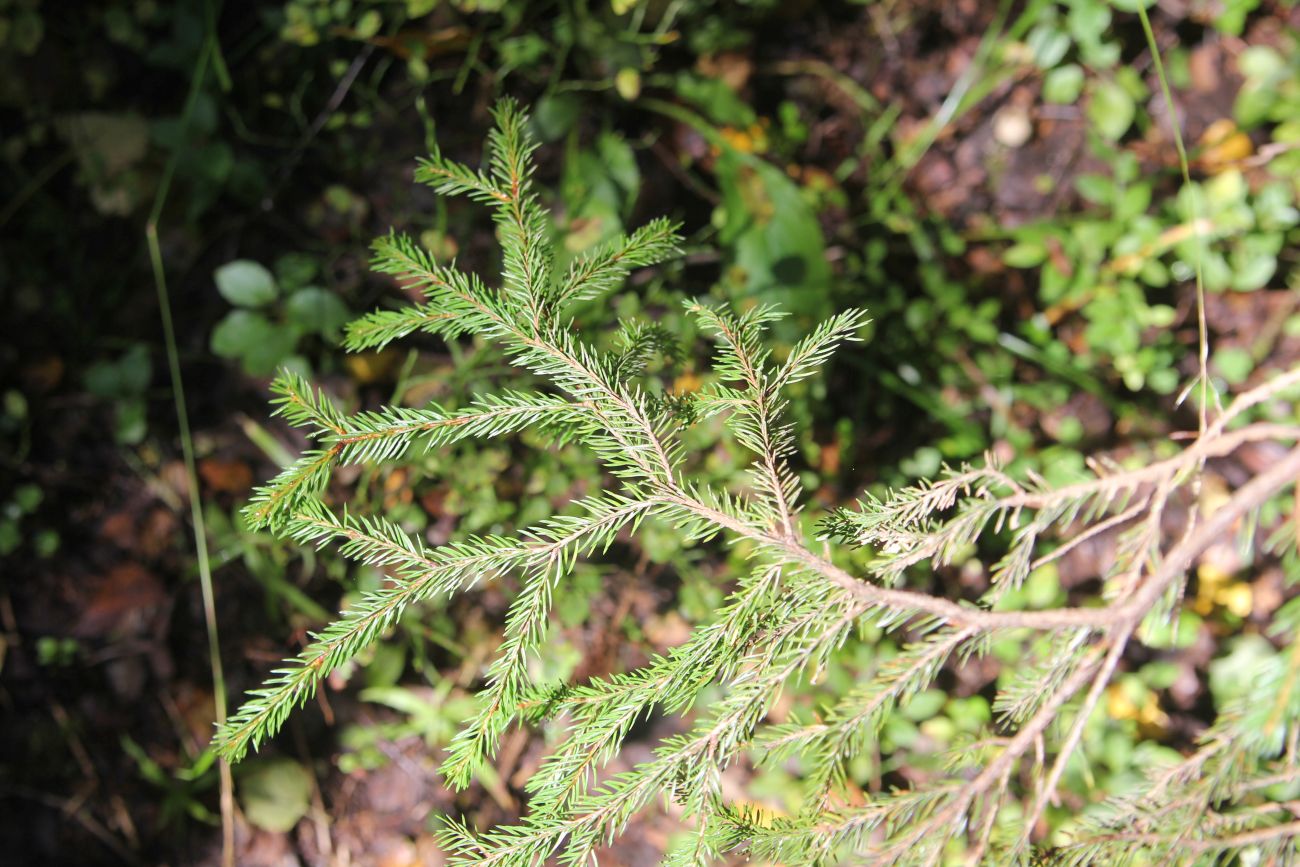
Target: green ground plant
point(806, 594)
point(274, 313)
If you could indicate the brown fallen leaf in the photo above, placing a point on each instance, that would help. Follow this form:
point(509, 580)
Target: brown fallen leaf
point(118, 529)
point(423, 43)
point(124, 604)
point(43, 375)
point(225, 476)
point(732, 67)
point(157, 532)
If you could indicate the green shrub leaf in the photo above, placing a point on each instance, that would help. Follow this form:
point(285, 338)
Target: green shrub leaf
point(246, 283)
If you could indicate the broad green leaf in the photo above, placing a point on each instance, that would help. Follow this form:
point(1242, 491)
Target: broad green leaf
point(1253, 105)
point(369, 23)
point(555, 115)
point(1111, 110)
point(715, 99)
point(1232, 675)
point(239, 332)
point(1254, 261)
point(1048, 44)
point(1261, 64)
point(1088, 19)
point(293, 270)
point(245, 283)
point(317, 310)
point(1026, 254)
point(620, 163)
point(1232, 19)
point(131, 421)
point(1097, 189)
point(1133, 202)
point(524, 50)
point(1063, 84)
point(779, 251)
point(126, 377)
point(924, 704)
point(1275, 207)
point(275, 793)
point(1233, 363)
point(267, 357)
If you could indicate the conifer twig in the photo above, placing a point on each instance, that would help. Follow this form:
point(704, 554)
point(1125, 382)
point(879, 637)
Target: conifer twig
point(794, 608)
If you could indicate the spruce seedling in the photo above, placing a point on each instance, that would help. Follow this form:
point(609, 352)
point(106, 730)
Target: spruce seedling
point(794, 609)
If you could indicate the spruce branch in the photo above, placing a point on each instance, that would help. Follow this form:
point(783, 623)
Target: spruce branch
point(605, 711)
point(786, 619)
point(685, 767)
point(1047, 789)
point(304, 406)
point(854, 723)
point(931, 834)
point(601, 271)
point(421, 574)
point(386, 434)
point(755, 420)
point(296, 487)
point(558, 543)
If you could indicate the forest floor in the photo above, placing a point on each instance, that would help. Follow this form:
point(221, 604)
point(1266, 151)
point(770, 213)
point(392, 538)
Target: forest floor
point(105, 681)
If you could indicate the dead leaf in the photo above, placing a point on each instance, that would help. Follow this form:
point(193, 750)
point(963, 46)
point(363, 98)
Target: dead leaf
point(119, 529)
point(732, 67)
point(124, 604)
point(1203, 65)
point(196, 708)
point(175, 479)
point(668, 630)
point(396, 488)
point(424, 43)
point(397, 852)
point(687, 383)
point(44, 374)
point(158, 532)
point(225, 476)
point(829, 458)
point(368, 367)
point(1223, 146)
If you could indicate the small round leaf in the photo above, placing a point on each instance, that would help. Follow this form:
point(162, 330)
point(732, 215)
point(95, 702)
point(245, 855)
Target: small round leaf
point(275, 793)
point(1063, 84)
point(1111, 110)
point(240, 333)
point(245, 283)
point(318, 310)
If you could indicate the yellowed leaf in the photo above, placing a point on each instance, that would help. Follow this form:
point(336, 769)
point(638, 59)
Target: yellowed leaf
point(1238, 597)
point(1223, 145)
point(687, 383)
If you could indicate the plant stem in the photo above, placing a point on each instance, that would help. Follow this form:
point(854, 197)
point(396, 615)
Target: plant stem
point(1194, 219)
point(227, 800)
